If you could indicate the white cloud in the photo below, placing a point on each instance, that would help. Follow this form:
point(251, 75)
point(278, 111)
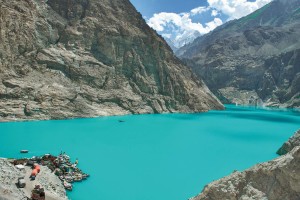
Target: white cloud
point(167, 35)
point(160, 20)
point(214, 13)
point(199, 10)
point(179, 27)
point(214, 24)
point(181, 21)
point(237, 8)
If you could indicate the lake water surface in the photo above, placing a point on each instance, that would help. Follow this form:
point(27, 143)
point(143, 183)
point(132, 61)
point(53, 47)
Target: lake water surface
point(155, 157)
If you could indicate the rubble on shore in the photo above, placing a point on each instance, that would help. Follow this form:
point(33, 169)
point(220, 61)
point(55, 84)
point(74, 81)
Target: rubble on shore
point(10, 190)
point(60, 165)
point(44, 177)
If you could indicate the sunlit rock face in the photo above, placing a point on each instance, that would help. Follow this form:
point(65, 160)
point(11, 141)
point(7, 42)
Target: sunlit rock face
point(82, 58)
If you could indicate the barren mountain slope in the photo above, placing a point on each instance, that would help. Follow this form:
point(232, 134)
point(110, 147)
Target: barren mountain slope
point(80, 58)
point(253, 60)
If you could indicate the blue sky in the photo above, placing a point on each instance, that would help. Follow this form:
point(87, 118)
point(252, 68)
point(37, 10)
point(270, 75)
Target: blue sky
point(181, 21)
point(149, 7)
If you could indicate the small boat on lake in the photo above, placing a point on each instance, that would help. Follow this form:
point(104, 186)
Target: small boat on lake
point(24, 151)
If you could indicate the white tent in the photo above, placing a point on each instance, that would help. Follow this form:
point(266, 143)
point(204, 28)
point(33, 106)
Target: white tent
point(20, 167)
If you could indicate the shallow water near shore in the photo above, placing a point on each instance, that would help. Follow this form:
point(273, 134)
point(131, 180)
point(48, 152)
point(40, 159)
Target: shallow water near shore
point(155, 157)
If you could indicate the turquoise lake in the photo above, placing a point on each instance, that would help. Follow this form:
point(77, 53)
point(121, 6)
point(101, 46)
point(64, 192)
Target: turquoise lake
point(155, 157)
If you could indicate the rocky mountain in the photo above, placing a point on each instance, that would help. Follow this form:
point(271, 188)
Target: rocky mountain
point(274, 180)
point(80, 58)
point(185, 39)
point(171, 44)
point(176, 42)
point(253, 60)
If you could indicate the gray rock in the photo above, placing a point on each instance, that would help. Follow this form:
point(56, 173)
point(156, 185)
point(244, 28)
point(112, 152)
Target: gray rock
point(290, 144)
point(9, 175)
point(258, 54)
point(79, 58)
point(8, 178)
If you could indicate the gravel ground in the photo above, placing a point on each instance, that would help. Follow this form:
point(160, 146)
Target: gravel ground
point(9, 176)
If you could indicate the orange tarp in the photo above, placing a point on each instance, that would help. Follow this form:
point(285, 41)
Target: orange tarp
point(34, 172)
point(38, 168)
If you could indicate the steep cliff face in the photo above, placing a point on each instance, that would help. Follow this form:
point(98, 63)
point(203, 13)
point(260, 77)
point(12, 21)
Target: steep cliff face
point(79, 58)
point(274, 180)
point(252, 60)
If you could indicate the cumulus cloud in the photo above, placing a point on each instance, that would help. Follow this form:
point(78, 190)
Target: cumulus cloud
point(235, 9)
point(214, 13)
point(179, 27)
point(213, 24)
point(182, 21)
point(160, 20)
point(167, 35)
point(199, 10)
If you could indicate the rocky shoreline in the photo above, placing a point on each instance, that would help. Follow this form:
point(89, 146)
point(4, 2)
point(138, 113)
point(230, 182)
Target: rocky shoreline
point(55, 175)
point(290, 144)
point(278, 179)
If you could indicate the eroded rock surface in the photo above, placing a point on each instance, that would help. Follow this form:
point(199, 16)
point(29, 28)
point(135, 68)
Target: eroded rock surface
point(80, 58)
point(254, 60)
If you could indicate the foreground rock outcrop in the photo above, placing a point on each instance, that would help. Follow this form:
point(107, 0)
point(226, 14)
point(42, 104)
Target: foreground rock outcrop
point(81, 58)
point(290, 144)
point(9, 175)
point(8, 178)
point(254, 60)
point(278, 179)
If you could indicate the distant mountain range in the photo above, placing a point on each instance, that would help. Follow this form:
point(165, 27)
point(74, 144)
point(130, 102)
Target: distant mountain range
point(253, 60)
point(176, 44)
